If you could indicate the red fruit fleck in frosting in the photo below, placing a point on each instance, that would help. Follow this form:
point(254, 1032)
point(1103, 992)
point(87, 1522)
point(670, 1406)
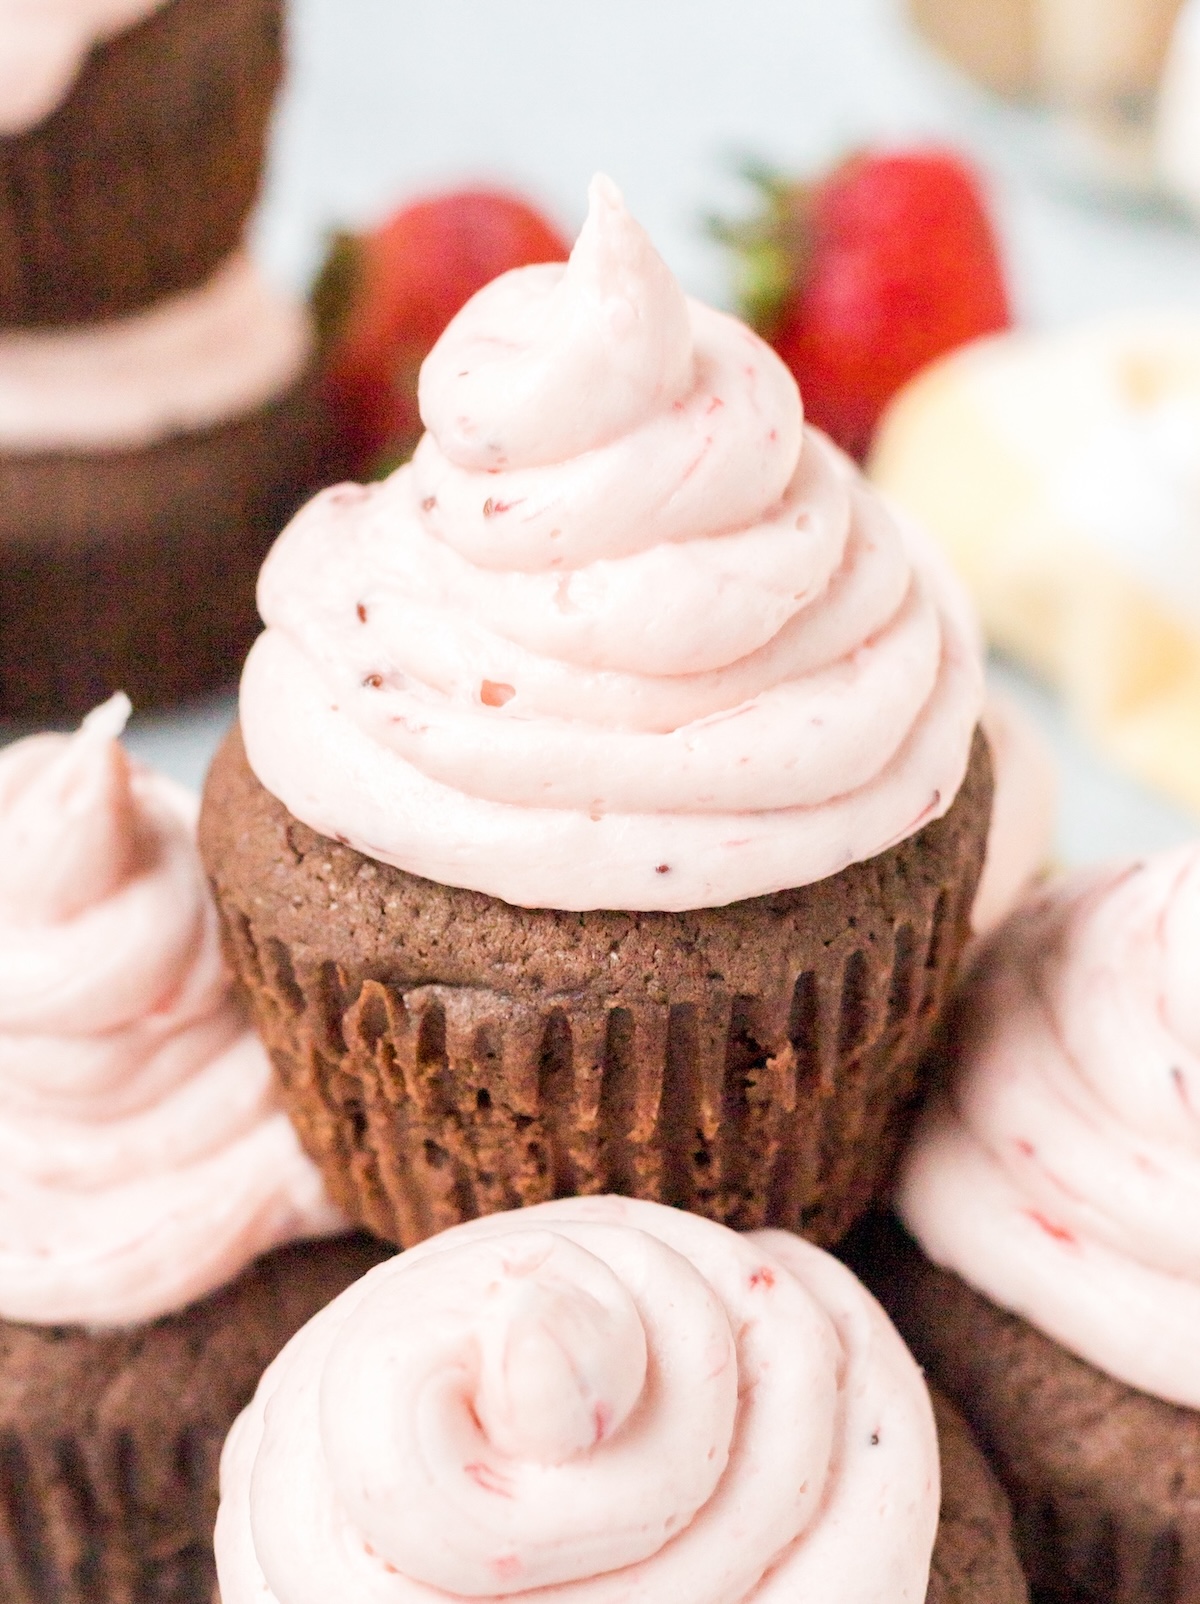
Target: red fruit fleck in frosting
point(493, 695)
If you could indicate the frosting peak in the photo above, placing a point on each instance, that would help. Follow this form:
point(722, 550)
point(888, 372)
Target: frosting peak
point(623, 634)
point(1060, 1173)
point(68, 827)
point(143, 1158)
point(739, 1422)
point(550, 362)
point(562, 1356)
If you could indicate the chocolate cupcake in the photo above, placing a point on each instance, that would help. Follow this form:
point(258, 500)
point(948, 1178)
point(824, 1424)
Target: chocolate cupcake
point(607, 805)
point(552, 1363)
point(151, 1186)
point(132, 135)
point(1052, 1191)
point(159, 410)
point(146, 465)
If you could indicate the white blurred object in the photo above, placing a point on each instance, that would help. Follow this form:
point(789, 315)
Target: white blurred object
point(1177, 128)
point(1024, 810)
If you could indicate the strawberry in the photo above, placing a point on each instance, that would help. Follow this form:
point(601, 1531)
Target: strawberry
point(384, 297)
point(862, 277)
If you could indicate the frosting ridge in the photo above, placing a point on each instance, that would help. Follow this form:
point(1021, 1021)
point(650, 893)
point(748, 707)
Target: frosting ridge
point(143, 1158)
point(624, 633)
point(600, 1399)
point(1060, 1173)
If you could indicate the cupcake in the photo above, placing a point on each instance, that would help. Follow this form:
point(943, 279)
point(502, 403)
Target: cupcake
point(606, 806)
point(132, 135)
point(146, 465)
point(1059, 472)
point(492, 1413)
point(159, 411)
point(151, 1190)
point(1052, 1191)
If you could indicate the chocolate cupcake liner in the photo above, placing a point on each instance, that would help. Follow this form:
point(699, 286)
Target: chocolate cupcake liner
point(445, 1055)
point(135, 570)
point(110, 1442)
point(139, 184)
point(1104, 1480)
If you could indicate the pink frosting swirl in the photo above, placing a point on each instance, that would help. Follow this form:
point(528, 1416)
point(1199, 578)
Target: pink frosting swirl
point(589, 1401)
point(143, 1159)
point(624, 634)
point(1060, 1175)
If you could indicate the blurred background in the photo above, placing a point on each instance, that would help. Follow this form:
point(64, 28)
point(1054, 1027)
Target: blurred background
point(389, 98)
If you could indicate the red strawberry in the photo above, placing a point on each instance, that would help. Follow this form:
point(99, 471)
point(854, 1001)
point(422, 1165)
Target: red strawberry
point(385, 297)
point(863, 277)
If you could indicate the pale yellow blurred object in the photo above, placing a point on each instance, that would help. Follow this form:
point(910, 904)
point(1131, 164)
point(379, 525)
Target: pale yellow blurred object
point(1062, 474)
point(1078, 53)
point(1123, 76)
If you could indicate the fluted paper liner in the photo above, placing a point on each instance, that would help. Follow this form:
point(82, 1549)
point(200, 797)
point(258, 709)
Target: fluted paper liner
point(139, 184)
point(135, 570)
point(109, 1442)
point(758, 1064)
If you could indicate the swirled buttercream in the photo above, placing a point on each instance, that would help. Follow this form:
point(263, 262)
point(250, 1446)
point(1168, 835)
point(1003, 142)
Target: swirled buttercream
point(143, 1159)
point(44, 43)
point(589, 1401)
point(187, 363)
point(1060, 1173)
point(624, 634)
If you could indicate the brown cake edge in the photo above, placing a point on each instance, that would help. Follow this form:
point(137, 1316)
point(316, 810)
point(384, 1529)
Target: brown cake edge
point(444, 1054)
point(109, 1441)
point(1104, 1480)
point(136, 570)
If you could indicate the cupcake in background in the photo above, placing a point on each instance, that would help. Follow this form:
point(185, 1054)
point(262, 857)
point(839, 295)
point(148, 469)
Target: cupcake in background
point(149, 1184)
point(132, 138)
point(608, 802)
point(159, 415)
point(491, 1414)
point(1059, 471)
point(1050, 1281)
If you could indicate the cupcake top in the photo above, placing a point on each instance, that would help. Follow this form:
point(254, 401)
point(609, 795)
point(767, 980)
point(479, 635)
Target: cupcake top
point(625, 634)
point(595, 1400)
point(187, 363)
point(43, 45)
point(143, 1159)
point(1060, 1173)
